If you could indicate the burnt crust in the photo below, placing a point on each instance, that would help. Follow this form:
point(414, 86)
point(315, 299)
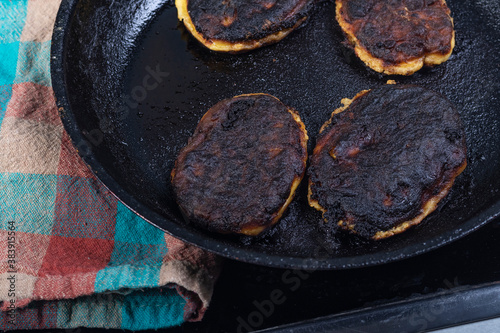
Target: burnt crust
point(382, 163)
point(240, 169)
point(398, 36)
point(239, 25)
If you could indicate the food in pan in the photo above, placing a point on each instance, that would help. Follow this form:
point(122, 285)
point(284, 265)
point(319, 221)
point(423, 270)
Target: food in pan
point(398, 36)
point(240, 169)
point(241, 25)
point(384, 161)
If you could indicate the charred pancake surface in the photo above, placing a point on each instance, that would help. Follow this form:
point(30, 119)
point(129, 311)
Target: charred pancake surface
point(382, 163)
point(240, 25)
point(398, 36)
point(240, 169)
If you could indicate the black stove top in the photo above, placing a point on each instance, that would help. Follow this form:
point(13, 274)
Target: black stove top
point(453, 285)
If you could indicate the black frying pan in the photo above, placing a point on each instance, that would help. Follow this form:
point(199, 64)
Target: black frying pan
point(105, 51)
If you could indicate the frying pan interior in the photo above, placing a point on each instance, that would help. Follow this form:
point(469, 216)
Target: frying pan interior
point(133, 84)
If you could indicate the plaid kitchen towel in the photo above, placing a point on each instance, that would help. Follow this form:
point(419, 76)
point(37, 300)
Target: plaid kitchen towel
point(71, 255)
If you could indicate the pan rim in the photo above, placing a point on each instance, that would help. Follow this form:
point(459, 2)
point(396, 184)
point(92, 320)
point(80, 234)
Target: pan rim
point(57, 69)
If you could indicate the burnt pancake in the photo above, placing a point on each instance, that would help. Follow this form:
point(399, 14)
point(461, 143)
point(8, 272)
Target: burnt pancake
point(383, 161)
point(398, 36)
point(241, 25)
point(240, 169)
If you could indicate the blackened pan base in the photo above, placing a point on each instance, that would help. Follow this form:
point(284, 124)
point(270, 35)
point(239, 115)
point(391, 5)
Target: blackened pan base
point(311, 71)
point(380, 161)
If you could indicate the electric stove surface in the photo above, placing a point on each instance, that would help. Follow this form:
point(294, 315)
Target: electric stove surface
point(453, 285)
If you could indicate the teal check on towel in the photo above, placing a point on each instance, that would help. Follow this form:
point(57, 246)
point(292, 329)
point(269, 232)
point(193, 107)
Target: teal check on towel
point(72, 255)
